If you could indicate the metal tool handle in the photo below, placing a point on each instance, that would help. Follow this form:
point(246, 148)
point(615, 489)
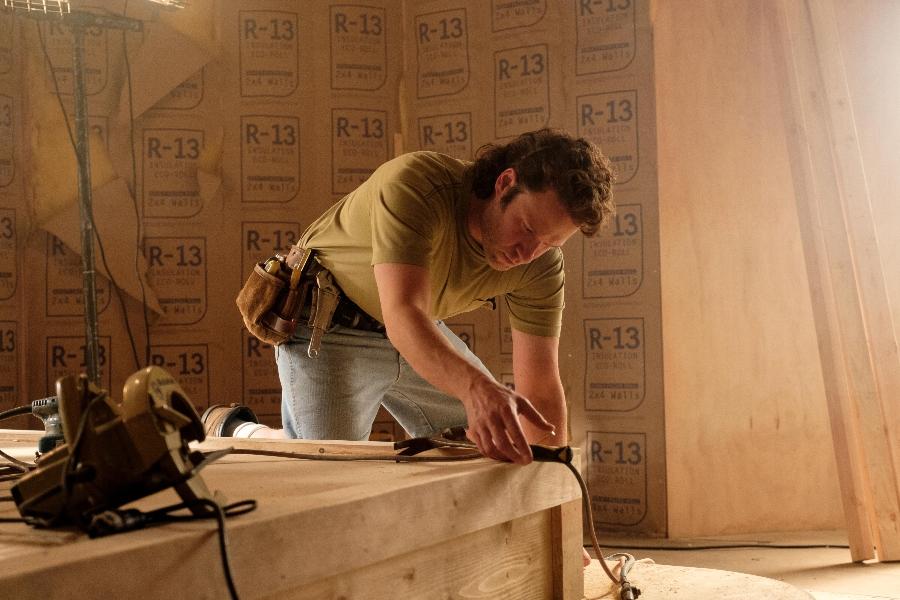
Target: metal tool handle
point(327, 296)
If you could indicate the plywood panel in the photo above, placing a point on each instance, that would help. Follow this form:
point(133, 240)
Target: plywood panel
point(743, 385)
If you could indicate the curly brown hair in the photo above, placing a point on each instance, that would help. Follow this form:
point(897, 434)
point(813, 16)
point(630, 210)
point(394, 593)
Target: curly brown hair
point(548, 158)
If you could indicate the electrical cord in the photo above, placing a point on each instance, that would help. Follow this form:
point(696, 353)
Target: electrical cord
point(134, 204)
point(90, 216)
point(15, 412)
point(120, 521)
point(626, 590)
point(15, 463)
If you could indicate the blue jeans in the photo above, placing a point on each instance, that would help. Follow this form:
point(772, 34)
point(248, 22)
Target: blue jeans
point(336, 396)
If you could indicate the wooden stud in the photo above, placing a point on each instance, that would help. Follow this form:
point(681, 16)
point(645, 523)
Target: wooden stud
point(565, 533)
point(845, 277)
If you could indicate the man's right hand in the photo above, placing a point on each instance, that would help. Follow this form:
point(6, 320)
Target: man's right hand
point(493, 411)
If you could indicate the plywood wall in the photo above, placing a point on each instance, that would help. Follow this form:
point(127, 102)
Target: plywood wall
point(748, 442)
point(749, 446)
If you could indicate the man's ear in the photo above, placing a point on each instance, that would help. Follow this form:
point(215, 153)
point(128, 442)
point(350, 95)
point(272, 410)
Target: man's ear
point(505, 180)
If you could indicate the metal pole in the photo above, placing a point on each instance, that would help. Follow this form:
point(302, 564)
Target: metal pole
point(82, 150)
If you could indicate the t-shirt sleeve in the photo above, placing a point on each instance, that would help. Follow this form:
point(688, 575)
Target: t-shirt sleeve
point(403, 225)
point(536, 306)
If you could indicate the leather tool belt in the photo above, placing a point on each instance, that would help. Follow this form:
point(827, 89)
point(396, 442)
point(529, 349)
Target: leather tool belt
point(284, 291)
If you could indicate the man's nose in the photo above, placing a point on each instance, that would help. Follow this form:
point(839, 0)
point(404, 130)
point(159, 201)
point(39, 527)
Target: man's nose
point(526, 251)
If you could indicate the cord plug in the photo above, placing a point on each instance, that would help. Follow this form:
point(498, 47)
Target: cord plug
point(109, 522)
point(560, 454)
point(628, 592)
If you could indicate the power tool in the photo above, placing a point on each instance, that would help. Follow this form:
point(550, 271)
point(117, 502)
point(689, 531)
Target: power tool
point(116, 452)
point(47, 410)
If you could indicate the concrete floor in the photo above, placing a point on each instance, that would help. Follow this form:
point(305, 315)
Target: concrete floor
point(826, 573)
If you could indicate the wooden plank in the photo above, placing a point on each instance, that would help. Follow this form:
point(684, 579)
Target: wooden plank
point(517, 567)
point(851, 468)
point(566, 536)
point(819, 119)
point(340, 447)
point(315, 521)
point(882, 419)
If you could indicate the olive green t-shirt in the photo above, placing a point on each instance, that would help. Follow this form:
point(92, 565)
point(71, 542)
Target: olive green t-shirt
point(413, 210)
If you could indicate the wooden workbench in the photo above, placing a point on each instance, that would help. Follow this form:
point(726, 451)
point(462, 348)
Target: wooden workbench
point(348, 530)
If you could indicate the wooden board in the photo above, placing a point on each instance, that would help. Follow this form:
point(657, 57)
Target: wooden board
point(478, 529)
point(857, 346)
point(748, 446)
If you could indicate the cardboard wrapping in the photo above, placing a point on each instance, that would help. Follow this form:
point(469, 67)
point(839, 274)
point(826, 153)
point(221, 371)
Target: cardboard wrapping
point(251, 120)
point(9, 364)
point(15, 216)
point(9, 256)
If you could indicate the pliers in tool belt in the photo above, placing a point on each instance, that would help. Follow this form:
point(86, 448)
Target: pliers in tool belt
point(325, 301)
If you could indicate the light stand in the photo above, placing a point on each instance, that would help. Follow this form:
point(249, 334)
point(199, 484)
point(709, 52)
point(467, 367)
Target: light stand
point(78, 22)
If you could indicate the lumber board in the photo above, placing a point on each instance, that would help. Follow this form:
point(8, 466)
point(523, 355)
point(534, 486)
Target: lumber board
point(455, 569)
point(828, 176)
point(316, 522)
point(566, 539)
point(851, 468)
point(882, 420)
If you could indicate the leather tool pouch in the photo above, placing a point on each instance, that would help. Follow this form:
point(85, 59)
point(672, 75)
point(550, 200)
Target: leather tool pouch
point(271, 299)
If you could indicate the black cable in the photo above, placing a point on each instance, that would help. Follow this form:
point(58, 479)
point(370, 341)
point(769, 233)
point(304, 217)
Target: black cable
point(15, 463)
point(118, 290)
point(15, 412)
point(109, 274)
point(119, 521)
point(137, 214)
point(223, 545)
point(56, 88)
point(11, 472)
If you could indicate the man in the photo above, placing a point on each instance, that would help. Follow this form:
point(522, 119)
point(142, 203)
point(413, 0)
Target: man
point(427, 237)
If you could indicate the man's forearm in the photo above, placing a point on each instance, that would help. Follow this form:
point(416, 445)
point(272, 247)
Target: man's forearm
point(536, 373)
point(553, 407)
